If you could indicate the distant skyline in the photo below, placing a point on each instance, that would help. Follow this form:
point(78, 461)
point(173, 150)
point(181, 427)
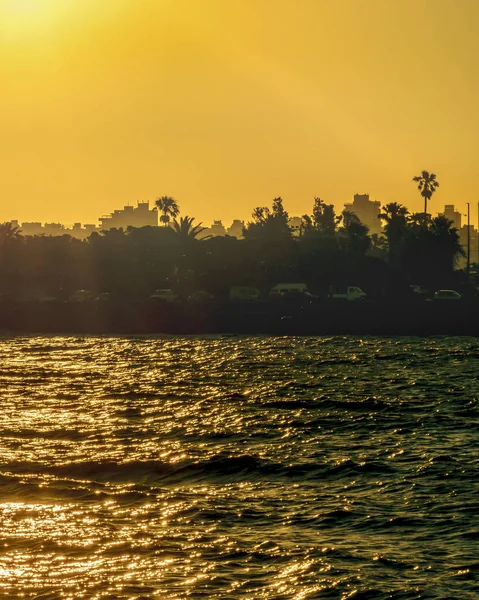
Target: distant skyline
point(225, 104)
point(474, 213)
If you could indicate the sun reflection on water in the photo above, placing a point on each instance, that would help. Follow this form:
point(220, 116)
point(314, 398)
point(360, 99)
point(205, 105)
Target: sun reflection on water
point(141, 468)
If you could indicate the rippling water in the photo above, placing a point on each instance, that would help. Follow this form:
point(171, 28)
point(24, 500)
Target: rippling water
point(239, 467)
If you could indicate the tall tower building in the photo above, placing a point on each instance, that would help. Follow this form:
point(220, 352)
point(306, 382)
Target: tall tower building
point(367, 211)
point(453, 215)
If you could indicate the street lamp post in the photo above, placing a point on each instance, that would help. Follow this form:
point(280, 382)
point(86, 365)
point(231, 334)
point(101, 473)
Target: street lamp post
point(468, 240)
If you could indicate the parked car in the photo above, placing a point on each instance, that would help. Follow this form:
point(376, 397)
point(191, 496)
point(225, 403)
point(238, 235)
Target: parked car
point(281, 290)
point(351, 293)
point(447, 295)
point(242, 293)
point(166, 295)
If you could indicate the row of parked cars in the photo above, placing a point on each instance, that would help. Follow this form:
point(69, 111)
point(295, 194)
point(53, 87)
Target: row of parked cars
point(349, 293)
point(291, 290)
point(252, 294)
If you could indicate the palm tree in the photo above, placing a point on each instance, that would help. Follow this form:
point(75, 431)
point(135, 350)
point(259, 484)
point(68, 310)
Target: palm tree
point(185, 228)
point(449, 246)
point(378, 245)
point(393, 213)
point(427, 185)
point(169, 208)
point(395, 216)
point(348, 219)
point(9, 232)
point(353, 234)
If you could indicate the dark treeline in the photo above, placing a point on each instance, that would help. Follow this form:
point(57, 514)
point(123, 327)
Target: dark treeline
point(328, 249)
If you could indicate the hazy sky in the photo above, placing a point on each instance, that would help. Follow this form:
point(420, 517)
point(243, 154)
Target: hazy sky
point(225, 104)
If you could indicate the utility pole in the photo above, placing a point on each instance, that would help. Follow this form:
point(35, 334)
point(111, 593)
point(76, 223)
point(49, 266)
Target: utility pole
point(468, 240)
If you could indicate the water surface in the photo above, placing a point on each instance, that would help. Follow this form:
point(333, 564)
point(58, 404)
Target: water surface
point(239, 467)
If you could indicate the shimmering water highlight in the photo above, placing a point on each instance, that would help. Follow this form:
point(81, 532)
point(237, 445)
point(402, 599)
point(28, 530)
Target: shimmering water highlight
point(239, 467)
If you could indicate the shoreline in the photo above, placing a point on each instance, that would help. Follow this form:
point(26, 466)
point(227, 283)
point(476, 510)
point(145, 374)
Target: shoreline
point(263, 318)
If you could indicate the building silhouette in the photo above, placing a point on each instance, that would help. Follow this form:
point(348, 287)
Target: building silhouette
point(473, 244)
point(216, 229)
point(33, 228)
point(296, 224)
point(130, 216)
point(55, 229)
point(453, 215)
point(236, 229)
point(468, 235)
point(367, 211)
point(82, 233)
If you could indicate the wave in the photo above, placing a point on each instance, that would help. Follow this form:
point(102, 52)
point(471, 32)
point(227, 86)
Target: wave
point(217, 466)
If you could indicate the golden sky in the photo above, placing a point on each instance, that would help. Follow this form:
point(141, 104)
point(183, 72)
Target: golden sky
point(225, 104)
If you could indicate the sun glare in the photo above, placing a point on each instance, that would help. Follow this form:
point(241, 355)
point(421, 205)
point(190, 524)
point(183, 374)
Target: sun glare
point(21, 15)
point(25, 8)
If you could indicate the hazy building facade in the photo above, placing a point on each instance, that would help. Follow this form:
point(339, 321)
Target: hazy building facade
point(55, 229)
point(453, 215)
point(367, 211)
point(130, 216)
point(236, 229)
point(470, 241)
point(295, 223)
point(82, 232)
point(35, 228)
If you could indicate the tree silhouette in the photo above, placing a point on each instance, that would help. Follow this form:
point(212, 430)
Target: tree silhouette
point(427, 185)
point(447, 242)
point(169, 208)
point(419, 220)
point(269, 225)
point(354, 235)
point(378, 247)
point(431, 251)
point(131, 264)
point(185, 228)
point(323, 219)
point(8, 232)
point(395, 216)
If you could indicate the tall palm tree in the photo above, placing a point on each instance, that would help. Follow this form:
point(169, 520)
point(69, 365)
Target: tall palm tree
point(169, 208)
point(393, 213)
point(395, 217)
point(185, 228)
point(427, 185)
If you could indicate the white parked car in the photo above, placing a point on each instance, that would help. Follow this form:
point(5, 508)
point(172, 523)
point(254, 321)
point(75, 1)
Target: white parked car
point(447, 295)
point(351, 293)
point(166, 295)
